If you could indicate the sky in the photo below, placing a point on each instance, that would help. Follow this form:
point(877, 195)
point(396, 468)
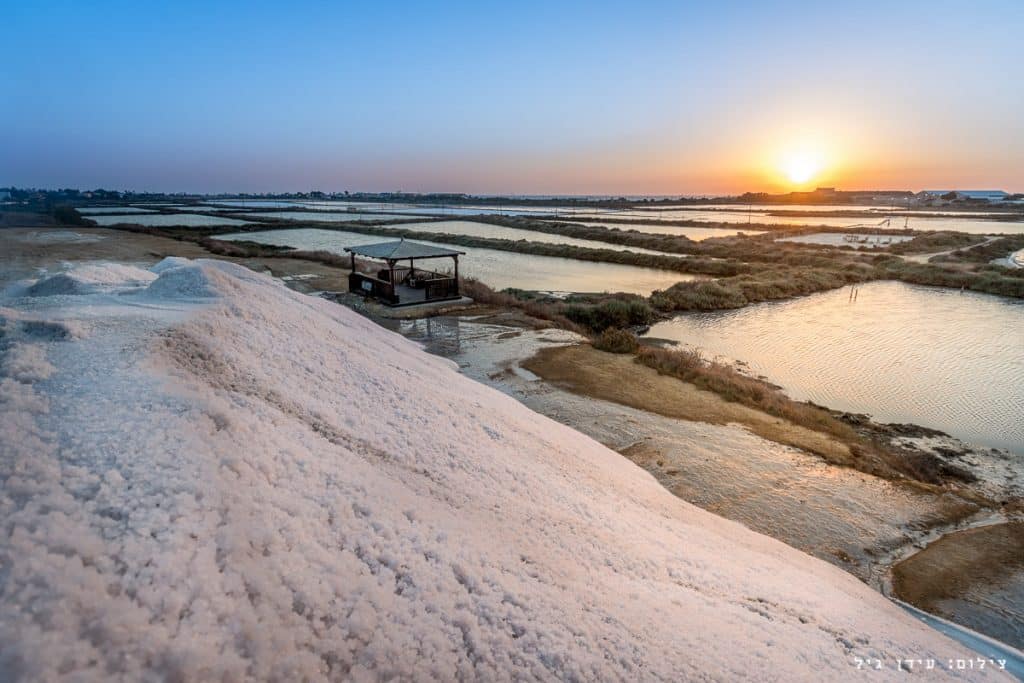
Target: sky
point(660, 98)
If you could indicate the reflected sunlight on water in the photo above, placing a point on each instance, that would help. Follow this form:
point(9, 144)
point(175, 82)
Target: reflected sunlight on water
point(901, 353)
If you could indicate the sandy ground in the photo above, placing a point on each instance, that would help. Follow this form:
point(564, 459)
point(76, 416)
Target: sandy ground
point(973, 577)
point(584, 370)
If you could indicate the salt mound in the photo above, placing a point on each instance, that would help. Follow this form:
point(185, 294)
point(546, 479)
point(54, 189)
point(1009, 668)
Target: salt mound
point(276, 488)
point(184, 282)
point(200, 279)
point(25, 363)
point(90, 279)
point(168, 263)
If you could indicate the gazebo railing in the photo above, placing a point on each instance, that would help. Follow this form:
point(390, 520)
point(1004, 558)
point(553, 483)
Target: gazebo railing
point(367, 285)
point(441, 288)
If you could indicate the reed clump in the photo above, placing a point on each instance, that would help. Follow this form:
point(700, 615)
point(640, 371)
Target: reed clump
point(988, 279)
point(531, 306)
point(690, 366)
point(985, 252)
point(769, 284)
point(616, 340)
point(615, 313)
point(868, 452)
point(935, 241)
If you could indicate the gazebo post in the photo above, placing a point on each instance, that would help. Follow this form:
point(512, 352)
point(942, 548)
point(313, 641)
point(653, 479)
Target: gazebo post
point(353, 255)
point(455, 258)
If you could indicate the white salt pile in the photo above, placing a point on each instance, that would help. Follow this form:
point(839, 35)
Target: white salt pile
point(91, 279)
point(226, 480)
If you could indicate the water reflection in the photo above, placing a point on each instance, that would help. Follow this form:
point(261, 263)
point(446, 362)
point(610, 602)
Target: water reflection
point(499, 269)
point(327, 217)
point(441, 335)
point(934, 357)
point(739, 215)
point(499, 232)
point(165, 219)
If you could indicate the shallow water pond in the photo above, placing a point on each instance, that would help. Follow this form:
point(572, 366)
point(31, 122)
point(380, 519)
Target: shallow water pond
point(499, 269)
point(88, 210)
point(502, 233)
point(902, 353)
point(327, 216)
point(165, 219)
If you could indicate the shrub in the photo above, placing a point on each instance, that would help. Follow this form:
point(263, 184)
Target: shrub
point(616, 340)
point(614, 313)
point(689, 366)
point(67, 215)
point(541, 310)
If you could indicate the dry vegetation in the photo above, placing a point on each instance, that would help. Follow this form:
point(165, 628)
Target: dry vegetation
point(870, 451)
point(935, 241)
point(482, 294)
point(986, 252)
point(690, 366)
point(615, 340)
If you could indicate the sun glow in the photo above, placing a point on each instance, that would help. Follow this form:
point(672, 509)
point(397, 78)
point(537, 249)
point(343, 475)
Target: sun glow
point(801, 166)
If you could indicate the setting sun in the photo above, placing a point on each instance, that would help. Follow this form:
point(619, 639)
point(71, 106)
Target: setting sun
point(801, 167)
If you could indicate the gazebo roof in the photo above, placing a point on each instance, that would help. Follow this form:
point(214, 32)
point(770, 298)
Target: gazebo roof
point(402, 249)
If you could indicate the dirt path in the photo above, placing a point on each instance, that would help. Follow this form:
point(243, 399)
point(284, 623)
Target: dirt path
point(925, 258)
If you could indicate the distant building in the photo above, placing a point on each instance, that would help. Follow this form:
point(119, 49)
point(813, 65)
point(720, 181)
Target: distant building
point(962, 195)
point(987, 195)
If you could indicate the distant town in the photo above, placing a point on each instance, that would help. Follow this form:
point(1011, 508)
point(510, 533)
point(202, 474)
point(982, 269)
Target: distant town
point(947, 198)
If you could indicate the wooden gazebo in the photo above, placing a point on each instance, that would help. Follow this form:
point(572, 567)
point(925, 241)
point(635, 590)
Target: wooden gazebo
point(402, 283)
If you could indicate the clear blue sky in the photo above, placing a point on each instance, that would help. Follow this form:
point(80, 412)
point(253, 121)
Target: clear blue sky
point(518, 97)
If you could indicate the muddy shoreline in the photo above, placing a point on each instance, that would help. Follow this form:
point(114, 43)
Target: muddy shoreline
point(973, 577)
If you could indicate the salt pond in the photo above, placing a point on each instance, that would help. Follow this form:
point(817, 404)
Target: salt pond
point(87, 210)
point(499, 269)
point(740, 216)
point(165, 219)
point(839, 239)
point(734, 214)
point(500, 232)
point(902, 353)
point(253, 203)
point(695, 234)
point(329, 217)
